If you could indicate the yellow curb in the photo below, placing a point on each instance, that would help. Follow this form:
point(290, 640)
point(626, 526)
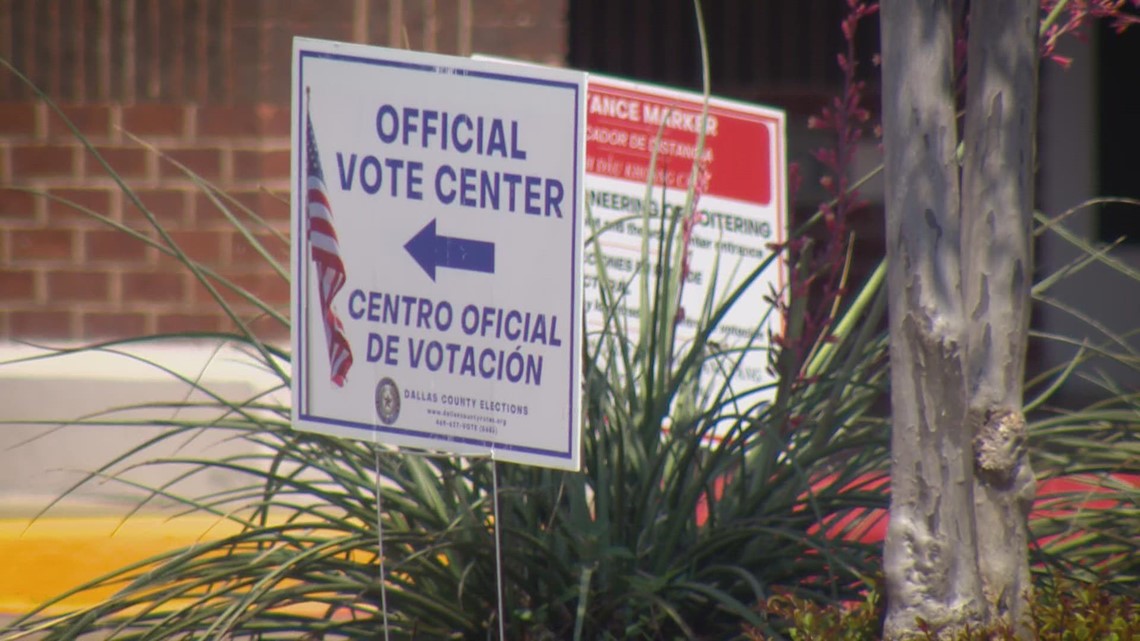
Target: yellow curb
point(52, 555)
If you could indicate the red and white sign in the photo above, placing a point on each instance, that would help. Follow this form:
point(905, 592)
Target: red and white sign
point(742, 205)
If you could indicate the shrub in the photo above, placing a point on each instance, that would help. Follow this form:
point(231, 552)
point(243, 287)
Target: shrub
point(1063, 610)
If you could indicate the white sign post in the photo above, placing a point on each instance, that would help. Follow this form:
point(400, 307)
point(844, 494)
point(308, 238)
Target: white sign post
point(437, 234)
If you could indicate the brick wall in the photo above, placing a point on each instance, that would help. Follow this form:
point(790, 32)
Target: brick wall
point(203, 83)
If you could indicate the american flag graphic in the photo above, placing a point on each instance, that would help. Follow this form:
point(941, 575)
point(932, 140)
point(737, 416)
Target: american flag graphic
point(326, 256)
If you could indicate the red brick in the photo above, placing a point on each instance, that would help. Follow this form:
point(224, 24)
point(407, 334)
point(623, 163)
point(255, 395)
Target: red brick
point(247, 14)
point(203, 246)
point(247, 78)
point(206, 214)
point(167, 205)
point(17, 119)
point(207, 163)
point(93, 121)
point(520, 15)
point(113, 246)
point(96, 200)
point(209, 214)
point(269, 329)
point(200, 296)
point(40, 324)
point(74, 286)
point(42, 160)
point(244, 253)
point(17, 205)
point(113, 325)
point(127, 162)
point(273, 120)
point(182, 323)
point(531, 43)
point(155, 120)
point(42, 244)
point(153, 287)
point(251, 204)
point(268, 288)
point(17, 285)
point(271, 206)
point(228, 121)
point(261, 165)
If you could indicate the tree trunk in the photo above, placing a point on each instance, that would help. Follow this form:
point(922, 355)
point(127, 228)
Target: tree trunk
point(959, 273)
point(932, 519)
point(997, 218)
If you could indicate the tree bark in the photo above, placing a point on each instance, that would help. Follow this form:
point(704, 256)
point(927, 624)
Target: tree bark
point(932, 518)
point(959, 274)
point(997, 217)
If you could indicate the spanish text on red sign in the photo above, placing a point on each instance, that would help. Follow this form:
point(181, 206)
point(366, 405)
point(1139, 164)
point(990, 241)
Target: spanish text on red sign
point(622, 129)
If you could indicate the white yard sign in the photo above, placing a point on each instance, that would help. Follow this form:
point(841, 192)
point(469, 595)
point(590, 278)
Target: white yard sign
point(742, 209)
point(437, 235)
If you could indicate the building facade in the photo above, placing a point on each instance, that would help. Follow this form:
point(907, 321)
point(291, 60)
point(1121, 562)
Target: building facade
point(175, 94)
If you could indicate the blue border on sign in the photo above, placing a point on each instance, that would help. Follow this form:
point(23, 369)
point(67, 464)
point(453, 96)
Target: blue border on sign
point(299, 320)
point(300, 357)
point(402, 431)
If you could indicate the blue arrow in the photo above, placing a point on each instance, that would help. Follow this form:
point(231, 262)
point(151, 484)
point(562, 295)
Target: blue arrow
point(431, 251)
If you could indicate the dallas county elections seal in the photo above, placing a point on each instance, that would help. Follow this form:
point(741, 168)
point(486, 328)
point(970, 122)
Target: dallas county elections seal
point(387, 401)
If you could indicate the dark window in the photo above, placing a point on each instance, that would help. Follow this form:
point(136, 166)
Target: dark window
point(1118, 132)
point(777, 51)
